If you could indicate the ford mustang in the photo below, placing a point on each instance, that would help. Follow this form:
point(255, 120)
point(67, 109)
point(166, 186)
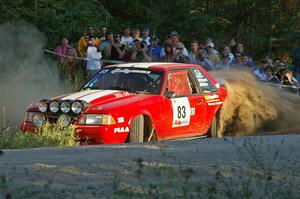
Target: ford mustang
point(135, 103)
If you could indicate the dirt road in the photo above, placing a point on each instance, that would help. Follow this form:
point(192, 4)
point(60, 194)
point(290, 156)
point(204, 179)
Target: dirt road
point(101, 171)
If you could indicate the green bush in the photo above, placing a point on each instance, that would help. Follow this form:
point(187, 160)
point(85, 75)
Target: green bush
point(49, 135)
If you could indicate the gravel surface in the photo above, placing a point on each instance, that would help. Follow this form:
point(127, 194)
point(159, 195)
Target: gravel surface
point(91, 171)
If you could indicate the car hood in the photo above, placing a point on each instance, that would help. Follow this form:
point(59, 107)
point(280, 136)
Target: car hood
point(108, 99)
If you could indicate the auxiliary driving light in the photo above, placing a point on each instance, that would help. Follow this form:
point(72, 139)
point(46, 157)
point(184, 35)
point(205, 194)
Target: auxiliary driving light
point(65, 106)
point(64, 120)
point(54, 106)
point(38, 119)
point(43, 106)
point(77, 107)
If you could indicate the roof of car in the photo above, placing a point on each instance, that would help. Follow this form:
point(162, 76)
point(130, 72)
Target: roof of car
point(153, 65)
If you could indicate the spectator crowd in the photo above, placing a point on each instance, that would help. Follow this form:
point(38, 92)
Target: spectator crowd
point(97, 51)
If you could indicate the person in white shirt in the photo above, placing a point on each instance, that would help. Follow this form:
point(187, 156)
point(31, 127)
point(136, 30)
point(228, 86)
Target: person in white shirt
point(260, 72)
point(126, 39)
point(145, 37)
point(93, 56)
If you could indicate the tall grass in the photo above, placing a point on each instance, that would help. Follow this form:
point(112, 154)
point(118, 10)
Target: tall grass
point(49, 135)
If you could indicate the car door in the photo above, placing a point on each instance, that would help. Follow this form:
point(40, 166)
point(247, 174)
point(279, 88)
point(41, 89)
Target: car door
point(185, 110)
point(209, 95)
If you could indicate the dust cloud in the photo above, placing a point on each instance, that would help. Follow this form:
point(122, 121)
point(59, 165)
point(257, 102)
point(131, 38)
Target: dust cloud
point(26, 75)
point(255, 108)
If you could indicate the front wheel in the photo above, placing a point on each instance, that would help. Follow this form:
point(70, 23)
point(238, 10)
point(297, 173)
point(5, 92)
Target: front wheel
point(136, 134)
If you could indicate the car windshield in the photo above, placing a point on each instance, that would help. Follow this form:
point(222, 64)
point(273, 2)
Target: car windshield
point(135, 80)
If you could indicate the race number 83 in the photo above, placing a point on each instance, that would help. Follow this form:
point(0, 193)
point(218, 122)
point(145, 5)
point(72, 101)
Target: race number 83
point(181, 112)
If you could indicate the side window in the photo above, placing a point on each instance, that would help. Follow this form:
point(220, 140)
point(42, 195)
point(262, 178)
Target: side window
point(180, 83)
point(205, 84)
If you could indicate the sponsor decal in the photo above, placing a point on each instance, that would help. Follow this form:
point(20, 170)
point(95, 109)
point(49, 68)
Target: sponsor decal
point(122, 94)
point(181, 112)
point(127, 71)
point(203, 84)
point(193, 111)
point(211, 97)
point(120, 119)
point(121, 129)
point(103, 71)
point(214, 103)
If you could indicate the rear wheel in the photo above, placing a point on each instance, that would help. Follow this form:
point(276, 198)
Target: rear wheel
point(136, 134)
point(213, 130)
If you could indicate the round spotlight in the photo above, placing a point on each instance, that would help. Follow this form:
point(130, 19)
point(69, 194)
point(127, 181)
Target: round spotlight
point(38, 119)
point(54, 106)
point(65, 106)
point(64, 120)
point(43, 106)
point(77, 107)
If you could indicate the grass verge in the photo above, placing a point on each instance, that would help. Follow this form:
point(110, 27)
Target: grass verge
point(49, 135)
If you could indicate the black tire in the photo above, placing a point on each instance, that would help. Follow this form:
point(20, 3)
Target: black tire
point(136, 134)
point(213, 130)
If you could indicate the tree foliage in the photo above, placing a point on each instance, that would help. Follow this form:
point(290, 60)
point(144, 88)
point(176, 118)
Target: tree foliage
point(263, 26)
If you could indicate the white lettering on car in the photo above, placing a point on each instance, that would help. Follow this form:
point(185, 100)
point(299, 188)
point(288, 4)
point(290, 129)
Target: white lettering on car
point(121, 130)
point(181, 112)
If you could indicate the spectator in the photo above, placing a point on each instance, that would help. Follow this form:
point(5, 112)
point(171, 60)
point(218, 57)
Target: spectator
point(169, 54)
point(211, 53)
point(166, 41)
point(175, 40)
point(117, 48)
point(106, 45)
point(84, 41)
point(126, 39)
point(62, 49)
point(154, 49)
point(193, 52)
point(224, 64)
point(247, 64)
point(227, 51)
point(238, 64)
point(136, 34)
point(145, 36)
point(140, 54)
point(270, 77)
point(203, 61)
point(232, 45)
point(179, 55)
point(260, 72)
point(239, 48)
point(269, 61)
point(103, 33)
point(93, 55)
point(70, 63)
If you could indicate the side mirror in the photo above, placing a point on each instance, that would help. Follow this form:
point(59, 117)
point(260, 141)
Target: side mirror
point(169, 94)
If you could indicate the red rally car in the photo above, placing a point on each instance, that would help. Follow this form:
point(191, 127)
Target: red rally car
point(137, 102)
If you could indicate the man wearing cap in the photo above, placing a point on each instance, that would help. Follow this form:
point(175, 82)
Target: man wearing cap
point(154, 49)
point(84, 41)
point(174, 42)
point(179, 56)
point(211, 53)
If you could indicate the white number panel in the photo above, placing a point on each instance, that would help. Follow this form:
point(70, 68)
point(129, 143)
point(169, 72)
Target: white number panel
point(181, 112)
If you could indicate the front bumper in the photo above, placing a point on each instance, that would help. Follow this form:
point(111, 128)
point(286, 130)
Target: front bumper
point(100, 134)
